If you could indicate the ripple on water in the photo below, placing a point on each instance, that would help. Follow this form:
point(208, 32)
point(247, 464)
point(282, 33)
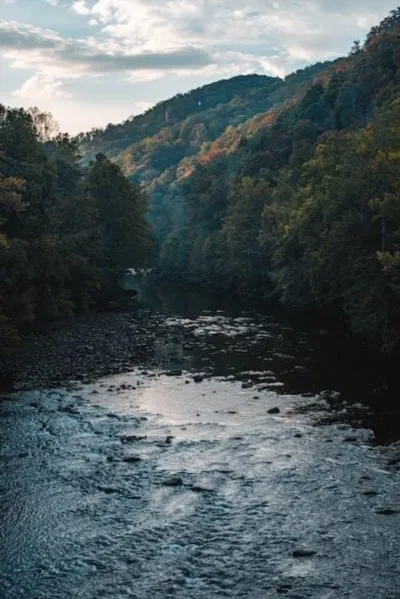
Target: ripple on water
point(78, 520)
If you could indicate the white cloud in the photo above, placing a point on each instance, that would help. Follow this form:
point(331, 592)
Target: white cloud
point(298, 30)
point(80, 7)
point(41, 87)
point(45, 50)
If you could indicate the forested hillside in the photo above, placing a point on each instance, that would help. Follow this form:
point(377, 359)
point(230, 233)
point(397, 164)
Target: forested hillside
point(149, 144)
point(66, 233)
point(289, 188)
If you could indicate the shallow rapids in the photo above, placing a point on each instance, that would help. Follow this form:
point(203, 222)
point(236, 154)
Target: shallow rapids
point(150, 485)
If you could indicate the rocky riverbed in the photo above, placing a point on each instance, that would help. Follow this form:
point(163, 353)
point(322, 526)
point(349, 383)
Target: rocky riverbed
point(192, 455)
point(84, 349)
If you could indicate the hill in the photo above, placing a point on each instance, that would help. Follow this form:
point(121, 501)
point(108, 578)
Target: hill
point(287, 187)
point(149, 144)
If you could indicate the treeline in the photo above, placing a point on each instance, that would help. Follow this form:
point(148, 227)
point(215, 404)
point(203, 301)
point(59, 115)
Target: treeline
point(66, 233)
point(307, 210)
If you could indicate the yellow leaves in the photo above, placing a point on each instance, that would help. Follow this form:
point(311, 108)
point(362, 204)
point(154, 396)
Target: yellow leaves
point(4, 242)
point(388, 206)
point(390, 262)
point(11, 189)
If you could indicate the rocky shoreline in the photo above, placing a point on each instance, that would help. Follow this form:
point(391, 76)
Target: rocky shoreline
point(84, 348)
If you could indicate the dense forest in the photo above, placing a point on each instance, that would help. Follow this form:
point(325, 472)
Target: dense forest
point(66, 233)
point(284, 188)
point(300, 200)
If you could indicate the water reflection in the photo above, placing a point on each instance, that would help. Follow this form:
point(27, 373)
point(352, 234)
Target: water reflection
point(232, 336)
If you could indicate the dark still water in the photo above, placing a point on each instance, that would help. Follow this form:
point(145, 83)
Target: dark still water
point(265, 478)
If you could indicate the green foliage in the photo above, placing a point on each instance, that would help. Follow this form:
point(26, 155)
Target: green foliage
point(308, 208)
point(66, 234)
point(285, 187)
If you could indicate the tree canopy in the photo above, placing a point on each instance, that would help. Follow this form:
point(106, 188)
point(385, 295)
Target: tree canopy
point(66, 233)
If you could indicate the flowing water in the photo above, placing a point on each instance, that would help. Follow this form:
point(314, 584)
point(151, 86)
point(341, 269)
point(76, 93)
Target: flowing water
point(150, 485)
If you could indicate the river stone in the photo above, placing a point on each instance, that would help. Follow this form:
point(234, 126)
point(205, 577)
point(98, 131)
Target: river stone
point(247, 385)
point(330, 394)
point(131, 459)
point(173, 482)
point(108, 490)
point(303, 552)
point(387, 511)
point(198, 489)
point(69, 410)
point(283, 588)
point(274, 411)
point(133, 438)
point(198, 378)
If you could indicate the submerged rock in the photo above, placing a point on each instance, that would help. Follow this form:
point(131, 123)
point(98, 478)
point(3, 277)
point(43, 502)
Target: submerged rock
point(198, 489)
point(173, 482)
point(247, 385)
point(283, 588)
point(131, 459)
point(301, 552)
point(274, 411)
point(387, 511)
point(329, 394)
point(133, 438)
point(69, 410)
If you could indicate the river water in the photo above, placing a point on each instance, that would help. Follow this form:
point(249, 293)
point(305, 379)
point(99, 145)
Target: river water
point(150, 485)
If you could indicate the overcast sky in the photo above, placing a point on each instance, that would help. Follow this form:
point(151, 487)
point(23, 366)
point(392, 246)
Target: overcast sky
point(91, 62)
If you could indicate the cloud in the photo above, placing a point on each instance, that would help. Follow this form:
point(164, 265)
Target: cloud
point(14, 36)
point(31, 46)
point(81, 8)
point(42, 87)
point(298, 31)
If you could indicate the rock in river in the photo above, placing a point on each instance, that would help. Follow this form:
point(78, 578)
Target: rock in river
point(176, 372)
point(303, 552)
point(173, 482)
point(131, 459)
point(247, 385)
point(387, 511)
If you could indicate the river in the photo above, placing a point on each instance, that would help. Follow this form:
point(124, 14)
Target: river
point(267, 477)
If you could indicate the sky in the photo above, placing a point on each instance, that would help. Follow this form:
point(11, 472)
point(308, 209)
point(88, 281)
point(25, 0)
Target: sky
point(92, 62)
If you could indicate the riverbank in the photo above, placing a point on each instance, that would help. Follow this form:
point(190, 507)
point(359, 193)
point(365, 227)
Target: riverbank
point(85, 348)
